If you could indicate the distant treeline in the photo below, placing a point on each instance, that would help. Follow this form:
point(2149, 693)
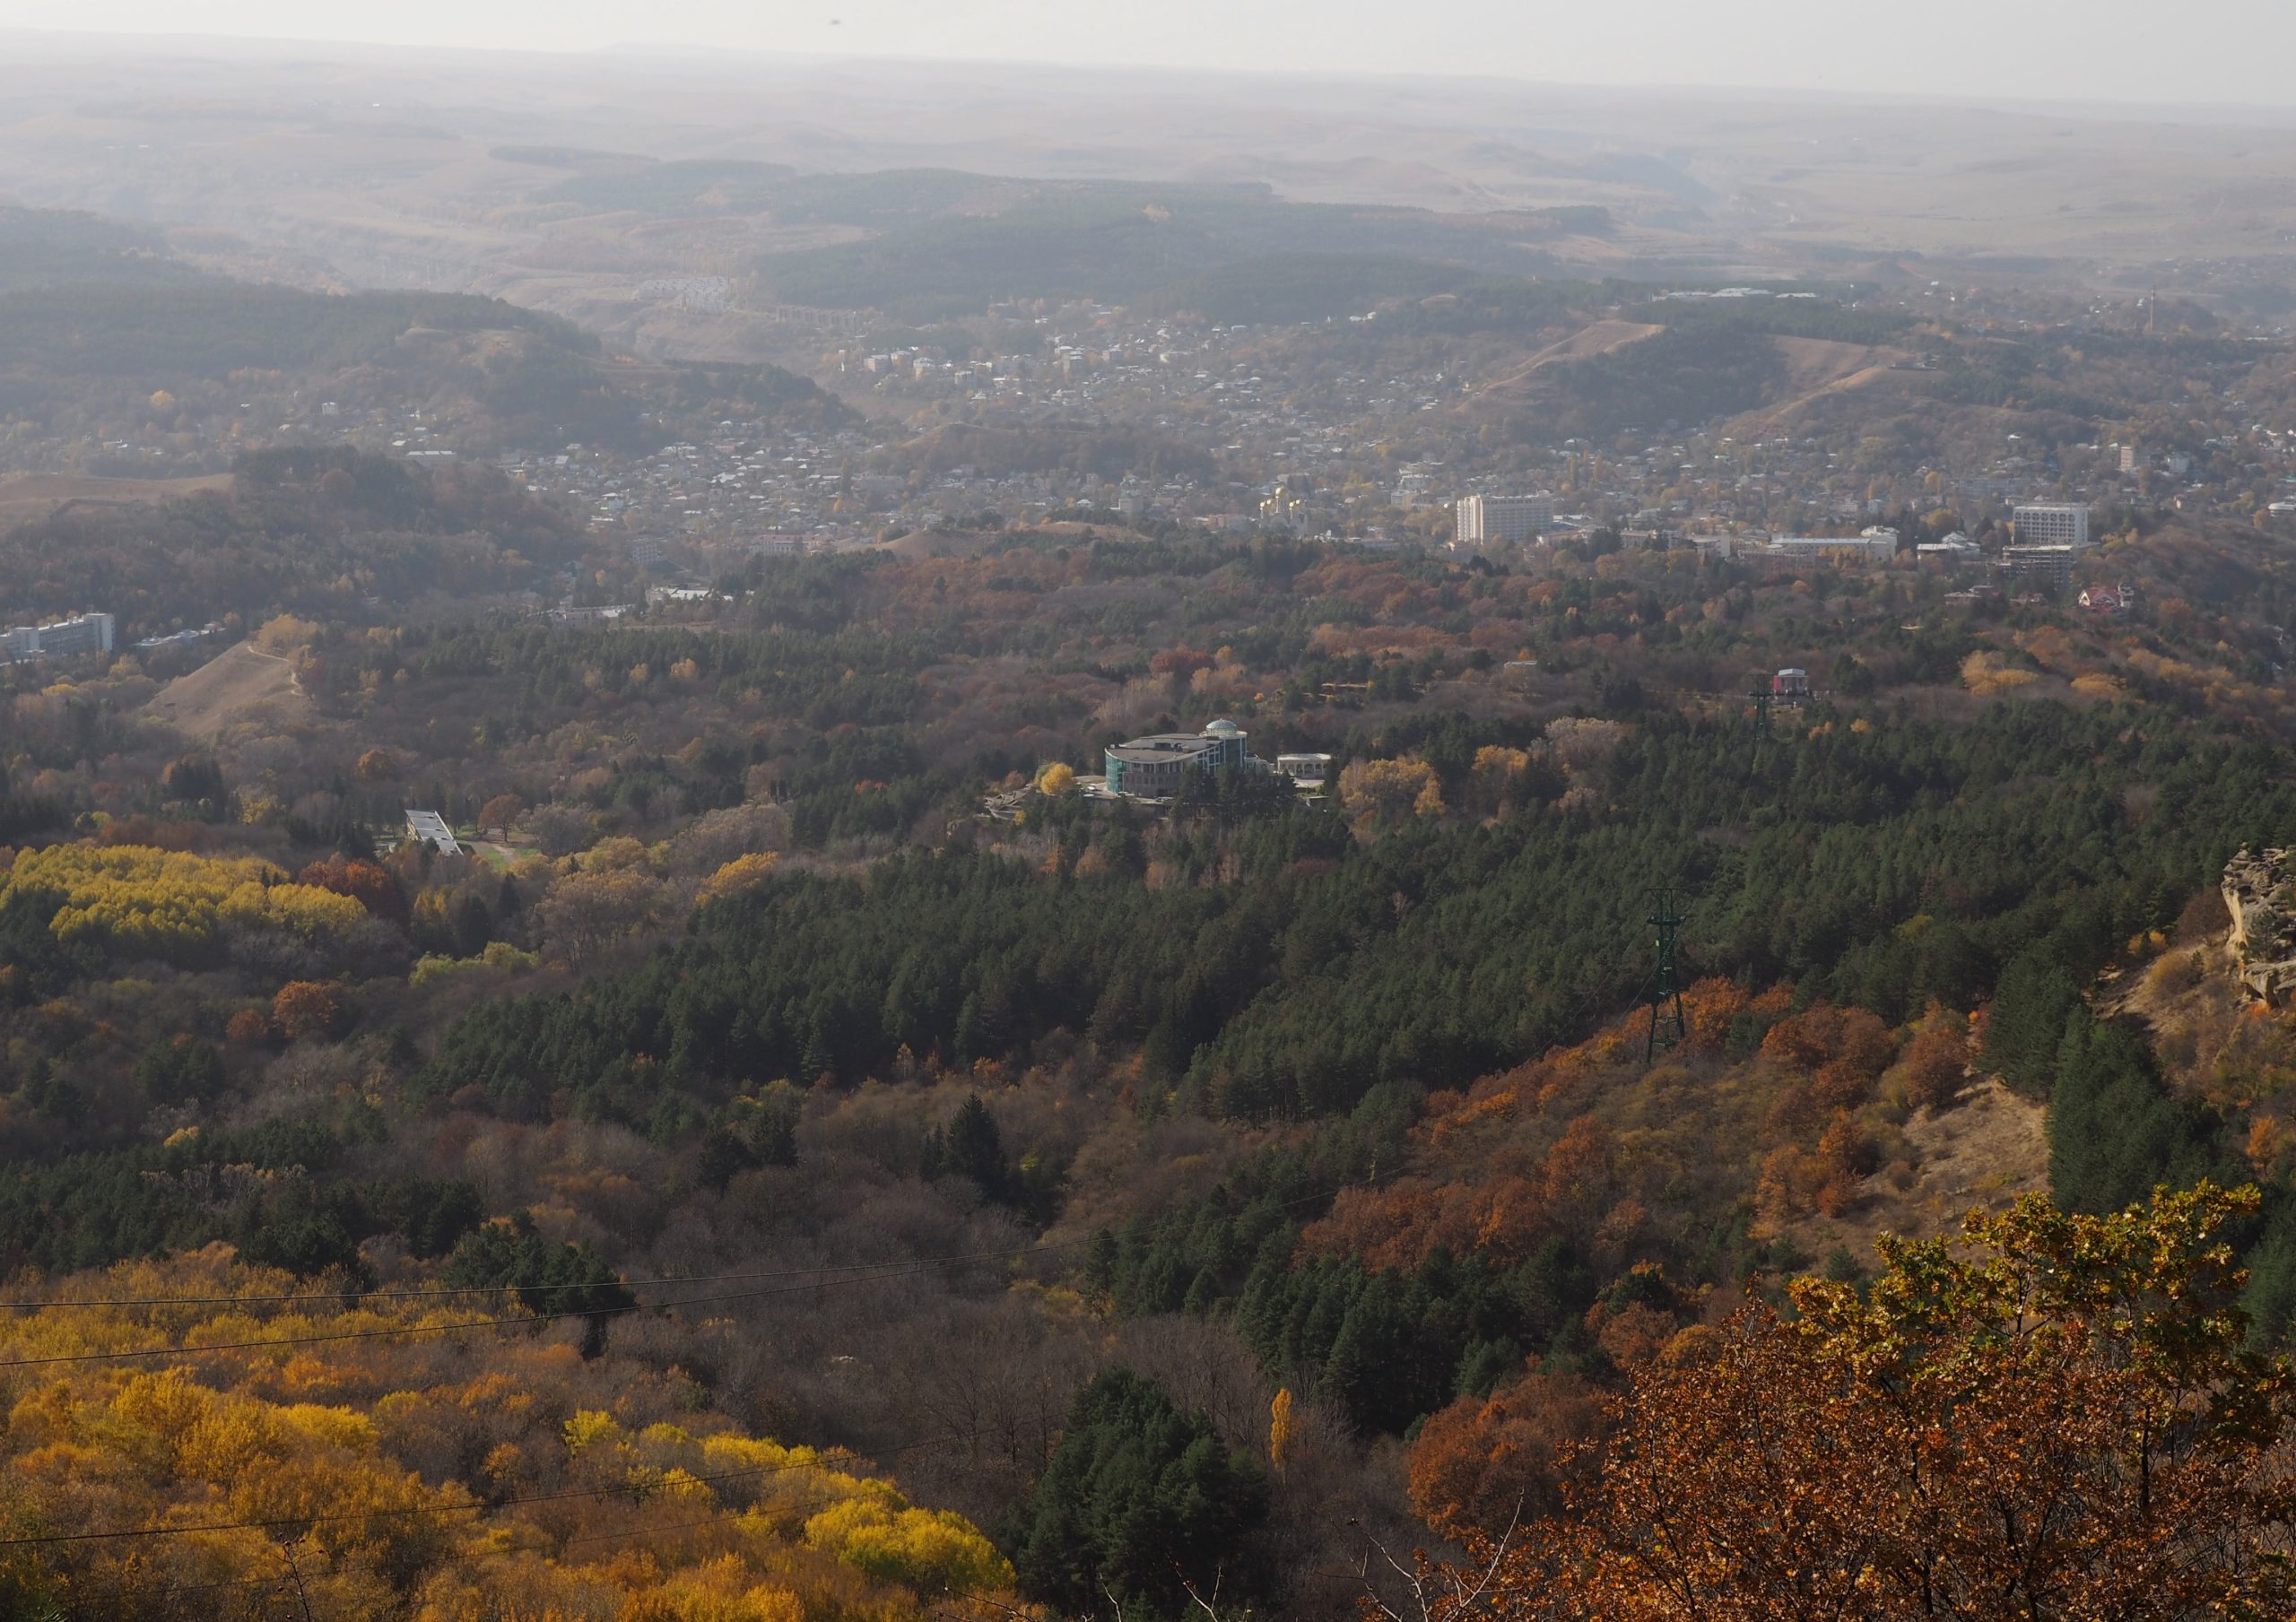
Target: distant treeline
point(161, 334)
point(44, 248)
point(1128, 243)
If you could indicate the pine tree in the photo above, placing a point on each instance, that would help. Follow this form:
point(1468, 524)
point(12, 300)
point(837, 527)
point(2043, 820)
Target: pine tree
point(1140, 1500)
point(976, 1151)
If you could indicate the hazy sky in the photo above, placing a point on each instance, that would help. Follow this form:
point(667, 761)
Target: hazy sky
point(2193, 51)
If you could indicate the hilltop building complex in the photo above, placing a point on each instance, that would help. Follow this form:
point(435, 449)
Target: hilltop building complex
point(1154, 767)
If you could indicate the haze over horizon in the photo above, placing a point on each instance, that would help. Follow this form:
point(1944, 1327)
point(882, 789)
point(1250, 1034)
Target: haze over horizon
point(1963, 48)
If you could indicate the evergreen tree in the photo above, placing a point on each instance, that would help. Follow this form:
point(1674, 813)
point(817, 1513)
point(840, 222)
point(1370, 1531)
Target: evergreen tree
point(2113, 1135)
point(2024, 1031)
point(1140, 1501)
point(975, 1151)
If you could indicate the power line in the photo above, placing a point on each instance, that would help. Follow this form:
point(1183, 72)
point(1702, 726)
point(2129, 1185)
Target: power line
point(476, 1506)
point(883, 1272)
point(890, 1271)
point(855, 1272)
point(164, 1589)
point(432, 1291)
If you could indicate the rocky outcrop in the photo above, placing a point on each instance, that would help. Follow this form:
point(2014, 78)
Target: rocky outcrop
point(2259, 894)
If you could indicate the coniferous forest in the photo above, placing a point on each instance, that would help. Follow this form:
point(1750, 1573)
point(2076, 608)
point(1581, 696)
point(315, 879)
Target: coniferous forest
point(1686, 1064)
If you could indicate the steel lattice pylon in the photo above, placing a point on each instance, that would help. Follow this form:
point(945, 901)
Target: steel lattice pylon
point(1667, 1025)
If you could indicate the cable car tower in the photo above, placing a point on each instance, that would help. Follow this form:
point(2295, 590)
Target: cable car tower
point(1668, 1026)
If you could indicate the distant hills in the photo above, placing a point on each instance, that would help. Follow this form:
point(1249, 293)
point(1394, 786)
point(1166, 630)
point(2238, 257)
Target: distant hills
point(943, 242)
point(42, 247)
point(94, 314)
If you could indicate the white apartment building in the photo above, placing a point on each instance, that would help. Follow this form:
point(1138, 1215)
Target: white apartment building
point(1489, 520)
point(84, 634)
point(2050, 523)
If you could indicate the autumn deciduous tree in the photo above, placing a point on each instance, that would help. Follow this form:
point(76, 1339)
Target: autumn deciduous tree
point(584, 911)
point(1376, 791)
point(1179, 663)
point(499, 812)
point(742, 873)
point(1936, 1063)
point(1480, 1461)
point(387, 1480)
point(172, 904)
point(365, 882)
point(2053, 1416)
point(282, 633)
point(308, 1008)
point(1500, 773)
point(1824, 1035)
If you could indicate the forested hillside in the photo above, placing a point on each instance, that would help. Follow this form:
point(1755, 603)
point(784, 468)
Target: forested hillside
point(105, 333)
point(314, 533)
point(1166, 1198)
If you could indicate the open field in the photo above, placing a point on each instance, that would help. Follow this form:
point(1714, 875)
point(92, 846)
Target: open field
point(36, 496)
point(241, 684)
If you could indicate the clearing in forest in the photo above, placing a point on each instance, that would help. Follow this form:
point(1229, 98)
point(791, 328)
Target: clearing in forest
point(241, 684)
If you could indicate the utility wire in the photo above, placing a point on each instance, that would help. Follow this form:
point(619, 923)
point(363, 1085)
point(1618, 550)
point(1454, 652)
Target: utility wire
point(878, 1272)
point(51, 1540)
point(165, 1589)
point(437, 1290)
point(505, 1320)
point(478, 1506)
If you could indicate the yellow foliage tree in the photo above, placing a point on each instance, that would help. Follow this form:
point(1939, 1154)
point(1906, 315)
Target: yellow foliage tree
point(174, 905)
point(1379, 791)
point(743, 873)
point(1985, 674)
point(435, 1477)
point(284, 633)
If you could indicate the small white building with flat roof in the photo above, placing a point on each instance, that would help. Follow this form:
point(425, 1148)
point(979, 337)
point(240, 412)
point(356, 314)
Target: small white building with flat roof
point(428, 827)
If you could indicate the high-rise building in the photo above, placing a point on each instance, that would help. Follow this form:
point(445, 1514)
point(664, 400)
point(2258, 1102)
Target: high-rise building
point(2050, 566)
point(2050, 523)
point(1489, 520)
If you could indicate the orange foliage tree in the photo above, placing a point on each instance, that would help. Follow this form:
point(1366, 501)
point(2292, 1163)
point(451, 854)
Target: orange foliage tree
point(1480, 1463)
point(364, 882)
point(2053, 1416)
point(499, 812)
point(308, 1008)
point(1937, 1062)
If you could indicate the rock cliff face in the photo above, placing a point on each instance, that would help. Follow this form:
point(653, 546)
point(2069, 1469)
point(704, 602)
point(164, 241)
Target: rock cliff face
point(2261, 897)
